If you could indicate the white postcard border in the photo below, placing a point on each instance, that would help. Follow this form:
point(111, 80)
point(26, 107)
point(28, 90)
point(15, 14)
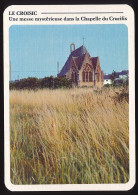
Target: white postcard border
point(128, 11)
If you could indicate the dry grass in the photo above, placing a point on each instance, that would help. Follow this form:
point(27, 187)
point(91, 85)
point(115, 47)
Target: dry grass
point(68, 136)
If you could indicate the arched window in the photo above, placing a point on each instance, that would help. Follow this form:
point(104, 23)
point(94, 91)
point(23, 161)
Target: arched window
point(90, 76)
point(83, 76)
point(74, 76)
point(86, 76)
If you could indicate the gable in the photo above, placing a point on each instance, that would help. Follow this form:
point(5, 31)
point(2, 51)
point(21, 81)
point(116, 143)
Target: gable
point(79, 58)
point(98, 68)
point(79, 55)
point(87, 67)
point(95, 61)
point(87, 60)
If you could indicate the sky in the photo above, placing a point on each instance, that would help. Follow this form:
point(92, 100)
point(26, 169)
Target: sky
point(35, 49)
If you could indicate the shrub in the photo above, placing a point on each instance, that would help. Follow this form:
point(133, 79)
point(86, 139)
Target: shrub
point(47, 82)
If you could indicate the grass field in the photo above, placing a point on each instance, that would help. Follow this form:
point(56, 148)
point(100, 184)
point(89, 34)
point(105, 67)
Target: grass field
point(72, 136)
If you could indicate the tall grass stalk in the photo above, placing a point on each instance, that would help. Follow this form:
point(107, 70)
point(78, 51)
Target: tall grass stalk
point(74, 136)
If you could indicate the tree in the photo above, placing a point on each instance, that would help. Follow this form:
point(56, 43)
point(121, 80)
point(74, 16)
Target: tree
point(28, 83)
point(127, 81)
point(47, 82)
point(113, 77)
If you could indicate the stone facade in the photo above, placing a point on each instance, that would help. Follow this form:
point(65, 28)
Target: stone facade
point(83, 69)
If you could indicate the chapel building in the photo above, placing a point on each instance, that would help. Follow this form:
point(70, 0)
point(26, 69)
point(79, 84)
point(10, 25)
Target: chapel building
point(83, 69)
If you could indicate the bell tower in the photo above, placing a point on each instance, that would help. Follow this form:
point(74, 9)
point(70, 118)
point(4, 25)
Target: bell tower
point(72, 47)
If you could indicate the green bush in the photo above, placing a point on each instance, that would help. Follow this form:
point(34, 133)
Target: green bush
point(47, 82)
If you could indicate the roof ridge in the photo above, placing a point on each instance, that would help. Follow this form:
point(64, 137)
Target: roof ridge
point(74, 63)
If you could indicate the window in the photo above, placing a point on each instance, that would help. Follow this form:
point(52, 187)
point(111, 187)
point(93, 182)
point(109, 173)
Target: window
point(90, 76)
point(86, 76)
point(74, 77)
point(83, 76)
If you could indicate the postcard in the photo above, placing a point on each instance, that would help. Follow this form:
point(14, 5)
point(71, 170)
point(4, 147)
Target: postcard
point(69, 97)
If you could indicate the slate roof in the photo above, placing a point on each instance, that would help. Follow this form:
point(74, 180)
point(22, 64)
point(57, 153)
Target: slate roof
point(107, 76)
point(78, 60)
point(94, 61)
point(123, 72)
point(78, 56)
